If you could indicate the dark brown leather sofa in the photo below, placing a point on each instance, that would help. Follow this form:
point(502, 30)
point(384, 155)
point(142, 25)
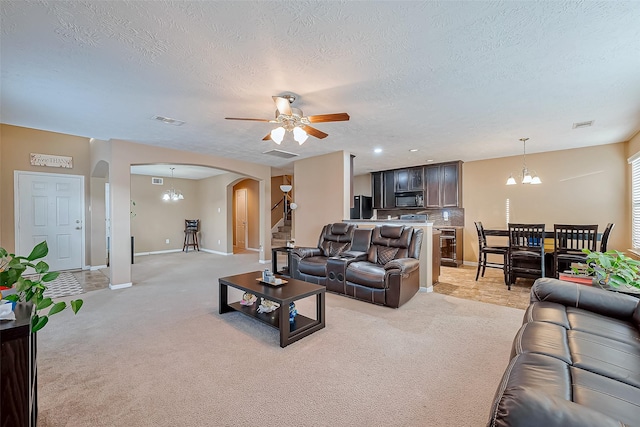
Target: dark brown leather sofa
point(575, 361)
point(380, 266)
point(310, 264)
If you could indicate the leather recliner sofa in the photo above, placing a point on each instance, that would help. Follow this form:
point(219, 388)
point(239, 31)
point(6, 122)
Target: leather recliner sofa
point(381, 266)
point(575, 361)
point(310, 264)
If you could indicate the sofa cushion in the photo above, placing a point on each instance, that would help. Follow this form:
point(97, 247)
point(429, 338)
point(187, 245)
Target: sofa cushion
point(330, 249)
point(366, 274)
point(314, 266)
point(607, 357)
point(610, 397)
point(391, 231)
point(537, 390)
point(582, 320)
point(542, 338)
point(340, 228)
point(381, 254)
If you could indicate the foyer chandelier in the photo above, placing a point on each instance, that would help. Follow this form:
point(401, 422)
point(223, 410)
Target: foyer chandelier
point(172, 193)
point(526, 177)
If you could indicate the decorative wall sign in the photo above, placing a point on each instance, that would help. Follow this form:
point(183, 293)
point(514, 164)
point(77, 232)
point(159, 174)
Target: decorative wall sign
point(51, 160)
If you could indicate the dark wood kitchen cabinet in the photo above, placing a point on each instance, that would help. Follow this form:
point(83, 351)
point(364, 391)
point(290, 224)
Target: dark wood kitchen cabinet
point(443, 185)
point(389, 196)
point(409, 179)
point(383, 190)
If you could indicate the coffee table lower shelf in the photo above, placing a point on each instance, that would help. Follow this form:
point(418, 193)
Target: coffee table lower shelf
point(273, 319)
point(290, 292)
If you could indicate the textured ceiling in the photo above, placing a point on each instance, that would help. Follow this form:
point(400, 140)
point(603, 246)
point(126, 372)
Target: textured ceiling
point(457, 80)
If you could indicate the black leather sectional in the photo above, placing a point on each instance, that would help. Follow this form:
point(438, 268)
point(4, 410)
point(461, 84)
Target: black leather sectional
point(575, 361)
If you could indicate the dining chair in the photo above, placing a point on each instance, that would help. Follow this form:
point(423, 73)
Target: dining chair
point(526, 252)
point(569, 241)
point(484, 250)
point(605, 237)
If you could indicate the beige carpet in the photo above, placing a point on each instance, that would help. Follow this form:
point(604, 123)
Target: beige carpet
point(159, 354)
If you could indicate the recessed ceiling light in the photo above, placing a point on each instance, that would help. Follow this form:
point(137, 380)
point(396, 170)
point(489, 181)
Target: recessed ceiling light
point(413, 150)
point(378, 150)
point(579, 125)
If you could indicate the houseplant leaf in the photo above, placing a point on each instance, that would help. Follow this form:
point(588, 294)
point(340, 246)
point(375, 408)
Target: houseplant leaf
point(76, 304)
point(57, 308)
point(38, 322)
point(39, 251)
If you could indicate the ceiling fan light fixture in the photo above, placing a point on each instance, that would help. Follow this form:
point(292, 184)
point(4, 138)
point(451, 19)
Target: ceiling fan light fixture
point(526, 176)
point(535, 179)
point(511, 180)
point(300, 135)
point(277, 135)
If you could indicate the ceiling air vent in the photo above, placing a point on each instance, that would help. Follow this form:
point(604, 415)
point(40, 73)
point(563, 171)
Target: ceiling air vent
point(281, 154)
point(157, 181)
point(168, 120)
point(580, 125)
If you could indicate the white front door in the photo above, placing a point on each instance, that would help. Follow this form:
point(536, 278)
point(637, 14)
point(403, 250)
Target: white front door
point(241, 218)
point(50, 207)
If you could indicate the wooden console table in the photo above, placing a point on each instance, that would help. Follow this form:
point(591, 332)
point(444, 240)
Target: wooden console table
point(18, 376)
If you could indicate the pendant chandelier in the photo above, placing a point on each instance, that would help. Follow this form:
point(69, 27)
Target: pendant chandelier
point(172, 193)
point(526, 177)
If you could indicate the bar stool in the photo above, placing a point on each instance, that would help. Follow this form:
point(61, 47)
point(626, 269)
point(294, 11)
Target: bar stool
point(191, 228)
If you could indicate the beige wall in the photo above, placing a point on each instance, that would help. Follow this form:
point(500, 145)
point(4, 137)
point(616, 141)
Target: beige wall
point(253, 200)
point(17, 144)
point(154, 220)
point(322, 186)
point(362, 185)
point(633, 146)
point(124, 154)
point(579, 186)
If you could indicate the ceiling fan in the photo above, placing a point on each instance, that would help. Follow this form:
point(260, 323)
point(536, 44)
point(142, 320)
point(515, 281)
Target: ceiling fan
point(291, 119)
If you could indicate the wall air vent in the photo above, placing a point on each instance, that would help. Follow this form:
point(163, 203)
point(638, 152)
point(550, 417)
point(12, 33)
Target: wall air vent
point(580, 125)
point(168, 120)
point(157, 181)
point(281, 154)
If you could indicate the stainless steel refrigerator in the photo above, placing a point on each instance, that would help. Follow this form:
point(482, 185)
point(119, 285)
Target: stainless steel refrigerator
point(362, 207)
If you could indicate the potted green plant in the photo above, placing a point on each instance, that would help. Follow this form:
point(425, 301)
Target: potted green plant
point(31, 289)
point(612, 268)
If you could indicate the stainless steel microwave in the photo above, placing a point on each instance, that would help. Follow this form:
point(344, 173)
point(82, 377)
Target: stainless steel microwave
point(409, 200)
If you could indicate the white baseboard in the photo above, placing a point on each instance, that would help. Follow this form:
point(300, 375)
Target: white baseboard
point(211, 251)
point(168, 251)
point(427, 289)
point(253, 249)
point(265, 261)
point(470, 263)
point(97, 267)
point(120, 286)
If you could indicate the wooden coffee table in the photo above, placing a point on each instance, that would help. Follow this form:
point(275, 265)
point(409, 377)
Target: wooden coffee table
point(284, 294)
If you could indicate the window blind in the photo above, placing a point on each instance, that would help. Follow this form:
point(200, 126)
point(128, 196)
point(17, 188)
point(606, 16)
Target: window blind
point(635, 202)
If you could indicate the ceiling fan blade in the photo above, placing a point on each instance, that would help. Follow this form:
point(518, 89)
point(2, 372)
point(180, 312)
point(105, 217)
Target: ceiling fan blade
point(242, 118)
point(323, 118)
point(268, 137)
point(283, 105)
point(314, 132)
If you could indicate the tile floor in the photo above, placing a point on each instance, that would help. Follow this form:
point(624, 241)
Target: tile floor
point(458, 282)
